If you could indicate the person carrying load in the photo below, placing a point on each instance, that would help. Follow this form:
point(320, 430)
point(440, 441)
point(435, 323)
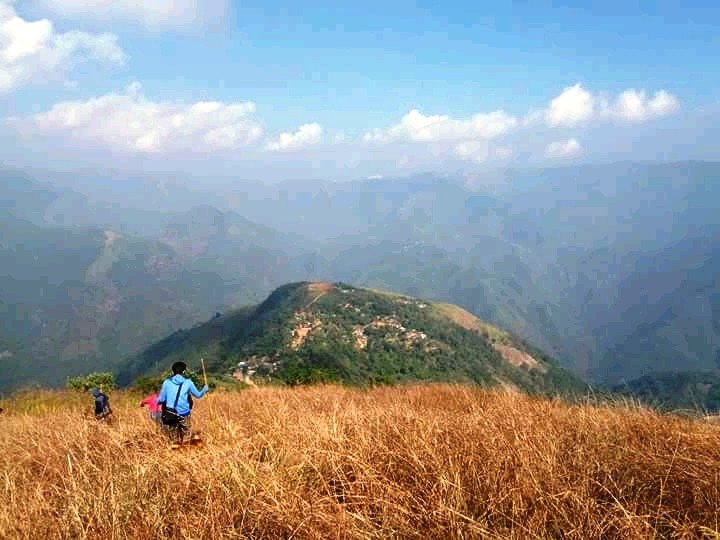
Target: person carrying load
point(174, 400)
point(102, 405)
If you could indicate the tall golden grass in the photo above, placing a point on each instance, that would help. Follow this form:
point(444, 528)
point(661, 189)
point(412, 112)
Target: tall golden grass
point(426, 461)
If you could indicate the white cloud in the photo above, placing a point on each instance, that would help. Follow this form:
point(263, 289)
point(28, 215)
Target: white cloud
point(563, 149)
point(417, 127)
point(575, 105)
point(635, 106)
point(32, 51)
point(306, 135)
point(157, 14)
point(130, 123)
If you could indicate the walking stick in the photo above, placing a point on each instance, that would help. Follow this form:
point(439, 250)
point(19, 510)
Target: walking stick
point(212, 409)
point(202, 362)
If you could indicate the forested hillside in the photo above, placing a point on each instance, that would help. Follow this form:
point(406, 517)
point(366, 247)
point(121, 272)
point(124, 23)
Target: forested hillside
point(322, 332)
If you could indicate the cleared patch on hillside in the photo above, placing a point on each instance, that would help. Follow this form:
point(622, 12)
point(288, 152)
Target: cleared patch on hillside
point(470, 322)
point(395, 332)
point(499, 339)
point(307, 324)
point(109, 255)
point(361, 339)
point(320, 287)
point(384, 292)
point(518, 358)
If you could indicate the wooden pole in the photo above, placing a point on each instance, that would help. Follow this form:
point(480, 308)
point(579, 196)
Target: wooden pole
point(202, 362)
point(212, 409)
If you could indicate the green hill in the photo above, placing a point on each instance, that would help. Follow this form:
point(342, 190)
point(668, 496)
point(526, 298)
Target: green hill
point(312, 332)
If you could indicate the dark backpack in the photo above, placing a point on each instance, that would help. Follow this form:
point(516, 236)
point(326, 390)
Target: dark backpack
point(102, 405)
point(169, 415)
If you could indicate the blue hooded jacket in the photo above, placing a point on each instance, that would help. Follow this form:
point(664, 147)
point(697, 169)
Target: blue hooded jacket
point(170, 388)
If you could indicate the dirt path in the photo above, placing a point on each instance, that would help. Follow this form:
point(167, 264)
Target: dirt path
point(318, 297)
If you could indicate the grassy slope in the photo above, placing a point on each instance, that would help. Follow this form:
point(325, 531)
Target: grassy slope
point(433, 461)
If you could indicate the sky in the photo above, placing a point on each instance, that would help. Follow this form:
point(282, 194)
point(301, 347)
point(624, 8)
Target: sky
point(275, 90)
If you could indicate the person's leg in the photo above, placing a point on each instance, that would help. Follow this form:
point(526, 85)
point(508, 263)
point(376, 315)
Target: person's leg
point(185, 427)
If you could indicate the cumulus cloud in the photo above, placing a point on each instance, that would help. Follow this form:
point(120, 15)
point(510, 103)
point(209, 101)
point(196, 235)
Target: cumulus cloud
point(154, 14)
point(575, 105)
point(130, 123)
point(563, 149)
point(634, 105)
point(417, 127)
point(33, 51)
point(306, 135)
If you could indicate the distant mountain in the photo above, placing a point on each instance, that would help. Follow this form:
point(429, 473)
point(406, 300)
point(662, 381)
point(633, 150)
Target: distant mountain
point(24, 198)
point(305, 332)
point(73, 300)
point(253, 257)
point(636, 243)
point(77, 294)
point(609, 268)
point(46, 203)
point(667, 315)
point(672, 390)
point(555, 255)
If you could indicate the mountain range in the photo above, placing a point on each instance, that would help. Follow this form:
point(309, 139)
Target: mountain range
point(609, 268)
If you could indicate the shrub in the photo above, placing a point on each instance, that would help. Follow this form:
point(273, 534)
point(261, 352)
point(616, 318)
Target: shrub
point(83, 383)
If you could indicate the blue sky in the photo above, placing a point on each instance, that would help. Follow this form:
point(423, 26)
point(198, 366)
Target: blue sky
point(332, 75)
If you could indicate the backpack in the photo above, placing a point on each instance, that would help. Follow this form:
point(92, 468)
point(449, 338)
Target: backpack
point(169, 415)
point(102, 405)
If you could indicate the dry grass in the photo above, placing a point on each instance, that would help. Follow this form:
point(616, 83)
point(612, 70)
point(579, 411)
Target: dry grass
point(432, 461)
point(320, 287)
point(470, 322)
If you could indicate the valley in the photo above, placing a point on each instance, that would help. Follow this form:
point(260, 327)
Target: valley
point(608, 268)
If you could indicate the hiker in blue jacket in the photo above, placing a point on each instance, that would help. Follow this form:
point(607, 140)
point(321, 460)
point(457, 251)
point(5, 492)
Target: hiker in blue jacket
point(175, 399)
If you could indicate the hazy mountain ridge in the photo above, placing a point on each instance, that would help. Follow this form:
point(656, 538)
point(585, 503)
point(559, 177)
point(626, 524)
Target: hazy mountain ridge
point(562, 257)
point(78, 299)
point(76, 296)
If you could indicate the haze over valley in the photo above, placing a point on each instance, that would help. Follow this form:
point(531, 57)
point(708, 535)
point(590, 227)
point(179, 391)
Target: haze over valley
point(609, 268)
